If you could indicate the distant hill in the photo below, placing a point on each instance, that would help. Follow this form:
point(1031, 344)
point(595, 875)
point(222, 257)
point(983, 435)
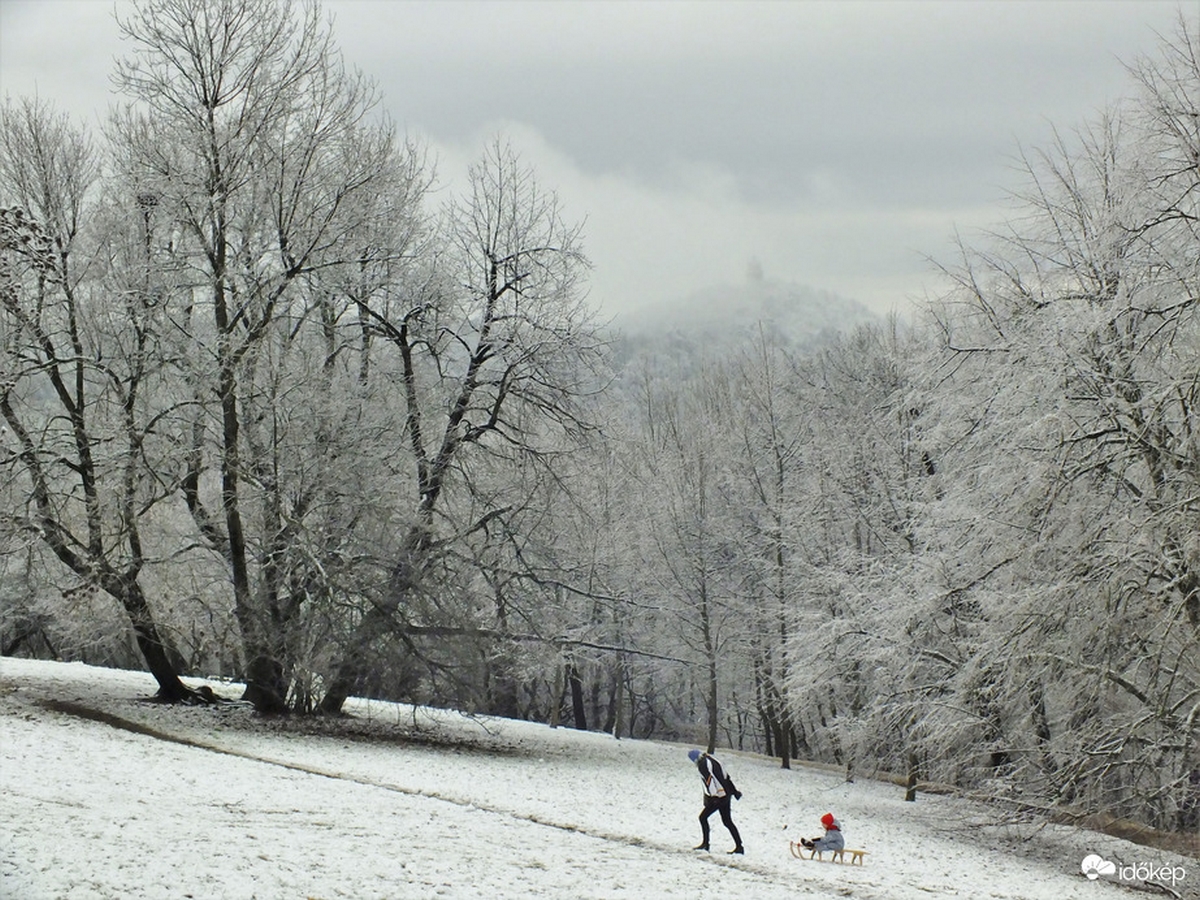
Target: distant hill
point(794, 315)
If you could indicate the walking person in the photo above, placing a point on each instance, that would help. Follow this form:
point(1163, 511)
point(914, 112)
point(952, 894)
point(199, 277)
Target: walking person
point(718, 789)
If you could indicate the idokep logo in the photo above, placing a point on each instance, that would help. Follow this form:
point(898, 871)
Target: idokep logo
point(1095, 866)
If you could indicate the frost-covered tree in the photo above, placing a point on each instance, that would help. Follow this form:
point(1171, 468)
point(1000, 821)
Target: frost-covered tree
point(1077, 332)
point(860, 502)
point(81, 331)
point(688, 526)
point(257, 153)
point(769, 433)
point(493, 354)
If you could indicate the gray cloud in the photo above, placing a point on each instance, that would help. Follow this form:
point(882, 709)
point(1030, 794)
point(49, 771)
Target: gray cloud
point(836, 142)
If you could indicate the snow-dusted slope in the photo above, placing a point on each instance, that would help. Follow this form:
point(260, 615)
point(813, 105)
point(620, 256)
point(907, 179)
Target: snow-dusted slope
point(415, 803)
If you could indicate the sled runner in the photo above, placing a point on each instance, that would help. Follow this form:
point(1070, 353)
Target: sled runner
point(837, 856)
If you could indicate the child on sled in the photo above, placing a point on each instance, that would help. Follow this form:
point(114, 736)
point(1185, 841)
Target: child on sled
point(832, 840)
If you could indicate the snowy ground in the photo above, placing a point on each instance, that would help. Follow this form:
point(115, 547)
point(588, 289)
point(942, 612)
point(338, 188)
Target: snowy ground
point(421, 804)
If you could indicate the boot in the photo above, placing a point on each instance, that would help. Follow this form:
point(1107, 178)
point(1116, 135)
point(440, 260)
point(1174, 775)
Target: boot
point(701, 847)
point(738, 849)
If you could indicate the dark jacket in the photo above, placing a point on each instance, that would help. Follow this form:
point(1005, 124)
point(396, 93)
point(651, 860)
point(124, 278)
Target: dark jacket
point(716, 782)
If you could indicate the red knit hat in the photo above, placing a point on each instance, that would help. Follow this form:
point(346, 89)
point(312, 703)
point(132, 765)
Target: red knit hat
point(828, 821)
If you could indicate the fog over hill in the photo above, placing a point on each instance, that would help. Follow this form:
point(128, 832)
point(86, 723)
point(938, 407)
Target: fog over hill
point(794, 315)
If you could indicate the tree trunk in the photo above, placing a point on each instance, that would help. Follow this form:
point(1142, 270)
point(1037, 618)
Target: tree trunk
point(710, 656)
point(1041, 729)
point(376, 622)
point(762, 704)
point(711, 703)
point(618, 700)
point(556, 697)
point(502, 688)
point(610, 708)
point(150, 643)
point(784, 747)
point(577, 696)
point(349, 673)
point(910, 786)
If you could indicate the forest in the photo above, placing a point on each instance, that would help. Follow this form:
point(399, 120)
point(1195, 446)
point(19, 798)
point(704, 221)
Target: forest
point(276, 411)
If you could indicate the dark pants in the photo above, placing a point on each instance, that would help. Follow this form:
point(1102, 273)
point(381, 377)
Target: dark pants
point(712, 805)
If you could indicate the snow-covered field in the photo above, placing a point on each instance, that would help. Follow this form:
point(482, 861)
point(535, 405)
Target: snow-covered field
point(418, 803)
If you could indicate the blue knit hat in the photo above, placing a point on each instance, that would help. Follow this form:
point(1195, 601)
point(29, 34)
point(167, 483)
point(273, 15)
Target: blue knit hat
point(693, 755)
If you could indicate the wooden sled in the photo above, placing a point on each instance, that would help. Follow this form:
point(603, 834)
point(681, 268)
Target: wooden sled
point(837, 856)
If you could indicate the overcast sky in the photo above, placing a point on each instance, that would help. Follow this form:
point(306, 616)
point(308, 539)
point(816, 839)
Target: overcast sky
point(835, 143)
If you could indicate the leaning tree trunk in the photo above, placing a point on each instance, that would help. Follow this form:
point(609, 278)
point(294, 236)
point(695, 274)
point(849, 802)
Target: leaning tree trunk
point(350, 672)
point(376, 622)
point(128, 592)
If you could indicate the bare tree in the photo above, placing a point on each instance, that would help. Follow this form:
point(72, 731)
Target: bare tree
point(770, 433)
point(80, 325)
point(690, 534)
point(257, 144)
point(494, 353)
